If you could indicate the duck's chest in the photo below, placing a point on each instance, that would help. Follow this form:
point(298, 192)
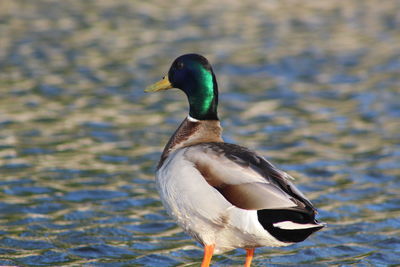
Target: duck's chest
point(185, 193)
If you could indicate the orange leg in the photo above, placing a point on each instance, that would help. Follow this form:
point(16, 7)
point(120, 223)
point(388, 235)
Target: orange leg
point(249, 256)
point(208, 253)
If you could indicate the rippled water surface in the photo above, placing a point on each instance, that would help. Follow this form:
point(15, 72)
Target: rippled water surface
point(312, 85)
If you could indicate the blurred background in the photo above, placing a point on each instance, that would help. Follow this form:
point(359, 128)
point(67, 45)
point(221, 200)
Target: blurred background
point(311, 85)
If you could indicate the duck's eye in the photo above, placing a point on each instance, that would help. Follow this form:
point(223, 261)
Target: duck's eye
point(179, 65)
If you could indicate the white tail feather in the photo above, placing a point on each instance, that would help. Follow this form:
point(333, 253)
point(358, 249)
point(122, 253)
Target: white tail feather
point(288, 225)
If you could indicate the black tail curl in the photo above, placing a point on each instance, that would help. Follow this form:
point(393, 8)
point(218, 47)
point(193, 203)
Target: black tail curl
point(268, 218)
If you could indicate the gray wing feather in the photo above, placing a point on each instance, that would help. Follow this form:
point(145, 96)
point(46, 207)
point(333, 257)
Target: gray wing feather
point(245, 179)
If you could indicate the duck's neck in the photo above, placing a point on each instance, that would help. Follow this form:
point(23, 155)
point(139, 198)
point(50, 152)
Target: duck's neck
point(202, 94)
point(192, 132)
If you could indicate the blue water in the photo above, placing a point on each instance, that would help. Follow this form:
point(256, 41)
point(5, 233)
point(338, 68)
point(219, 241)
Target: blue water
point(312, 86)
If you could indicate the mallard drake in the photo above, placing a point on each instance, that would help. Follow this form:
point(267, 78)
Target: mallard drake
point(224, 195)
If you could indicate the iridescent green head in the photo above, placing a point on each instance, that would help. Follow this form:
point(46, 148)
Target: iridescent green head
point(193, 74)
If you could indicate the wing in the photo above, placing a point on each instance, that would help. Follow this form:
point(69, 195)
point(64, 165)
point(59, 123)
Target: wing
point(245, 179)
point(250, 182)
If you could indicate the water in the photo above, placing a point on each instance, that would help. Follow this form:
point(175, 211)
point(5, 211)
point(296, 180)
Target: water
point(312, 86)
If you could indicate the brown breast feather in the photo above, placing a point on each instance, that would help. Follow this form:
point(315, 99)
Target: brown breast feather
point(191, 133)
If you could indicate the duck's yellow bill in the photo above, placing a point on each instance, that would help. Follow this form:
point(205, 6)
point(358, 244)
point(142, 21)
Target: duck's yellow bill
point(164, 84)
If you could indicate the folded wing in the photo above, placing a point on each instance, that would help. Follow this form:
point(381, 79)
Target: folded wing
point(250, 182)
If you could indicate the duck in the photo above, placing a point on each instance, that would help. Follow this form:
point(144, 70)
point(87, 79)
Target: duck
point(224, 195)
